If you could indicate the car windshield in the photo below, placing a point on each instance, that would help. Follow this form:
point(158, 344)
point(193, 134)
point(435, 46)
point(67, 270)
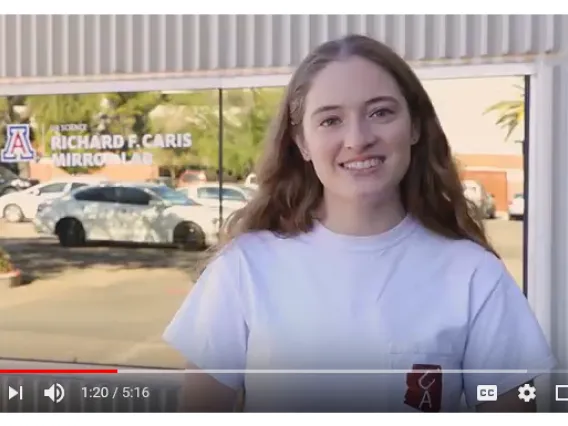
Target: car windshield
point(249, 192)
point(172, 196)
point(7, 174)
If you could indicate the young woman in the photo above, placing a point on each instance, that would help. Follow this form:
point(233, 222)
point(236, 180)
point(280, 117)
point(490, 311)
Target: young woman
point(359, 278)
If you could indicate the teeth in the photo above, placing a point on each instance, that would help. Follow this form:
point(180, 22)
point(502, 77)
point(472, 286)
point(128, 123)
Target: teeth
point(361, 165)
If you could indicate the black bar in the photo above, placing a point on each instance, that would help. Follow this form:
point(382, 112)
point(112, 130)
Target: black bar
point(143, 394)
point(526, 170)
point(44, 394)
point(220, 155)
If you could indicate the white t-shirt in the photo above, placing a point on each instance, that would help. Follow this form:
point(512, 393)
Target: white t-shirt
point(406, 299)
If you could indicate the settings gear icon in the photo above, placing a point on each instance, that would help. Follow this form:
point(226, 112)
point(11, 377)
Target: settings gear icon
point(527, 392)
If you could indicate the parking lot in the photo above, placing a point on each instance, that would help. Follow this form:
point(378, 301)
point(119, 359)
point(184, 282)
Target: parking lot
point(101, 303)
point(109, 304)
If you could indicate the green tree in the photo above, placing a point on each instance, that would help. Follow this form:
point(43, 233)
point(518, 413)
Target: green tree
point(127, 113)
point(197, 113)
point(510, 113)
point(247, 114)
point(48, 111)
point(247, 118)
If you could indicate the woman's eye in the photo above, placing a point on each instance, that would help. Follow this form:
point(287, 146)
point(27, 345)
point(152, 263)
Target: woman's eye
point(329, 122)
point(381, 112)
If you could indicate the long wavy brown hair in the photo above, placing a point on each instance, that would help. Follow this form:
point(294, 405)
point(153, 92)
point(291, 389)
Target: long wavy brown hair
point(290, 192)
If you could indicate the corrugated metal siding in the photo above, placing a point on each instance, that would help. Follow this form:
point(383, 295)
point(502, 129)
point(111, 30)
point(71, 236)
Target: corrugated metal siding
point(43, 46)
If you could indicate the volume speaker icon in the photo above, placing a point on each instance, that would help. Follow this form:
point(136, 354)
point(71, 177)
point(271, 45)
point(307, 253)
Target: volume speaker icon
point(55, 392)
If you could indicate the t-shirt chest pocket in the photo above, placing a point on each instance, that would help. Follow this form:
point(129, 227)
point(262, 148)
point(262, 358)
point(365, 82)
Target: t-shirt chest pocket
point(431, 375)
point(403, 355)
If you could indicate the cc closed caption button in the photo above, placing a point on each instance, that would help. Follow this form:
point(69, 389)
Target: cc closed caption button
point(562, 393)
point(487, 392)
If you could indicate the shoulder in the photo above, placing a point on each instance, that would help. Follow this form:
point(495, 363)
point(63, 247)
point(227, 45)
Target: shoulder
point(252, 247)
point(484, 279)
point(263, 243)
point(467, 273)
point(463, 257)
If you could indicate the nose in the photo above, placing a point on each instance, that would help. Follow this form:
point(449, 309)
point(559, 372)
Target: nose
point(359, 135)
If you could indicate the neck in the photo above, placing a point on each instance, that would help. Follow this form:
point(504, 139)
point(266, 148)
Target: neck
point(361, 217)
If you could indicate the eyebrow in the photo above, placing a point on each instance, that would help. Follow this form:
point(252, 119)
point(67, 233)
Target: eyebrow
point(368, 102)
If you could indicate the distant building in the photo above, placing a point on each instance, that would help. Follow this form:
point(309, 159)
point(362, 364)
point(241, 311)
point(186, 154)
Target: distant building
point(477, 142)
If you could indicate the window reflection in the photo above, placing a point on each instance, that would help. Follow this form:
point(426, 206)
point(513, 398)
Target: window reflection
point(172, 196)
point(95, 228)
point(104, 287)
point(247, 114)
point(484, 119)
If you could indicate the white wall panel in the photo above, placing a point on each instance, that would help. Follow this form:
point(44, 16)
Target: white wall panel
point(38, 47)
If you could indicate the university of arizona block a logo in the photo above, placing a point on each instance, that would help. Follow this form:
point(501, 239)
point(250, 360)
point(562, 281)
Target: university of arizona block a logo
point(18, 147)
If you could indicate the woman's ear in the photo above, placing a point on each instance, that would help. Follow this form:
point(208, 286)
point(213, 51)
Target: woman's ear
point(302, 147)
point(415, 136)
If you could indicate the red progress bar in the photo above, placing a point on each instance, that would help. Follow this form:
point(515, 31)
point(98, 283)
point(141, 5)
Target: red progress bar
point(56, 371)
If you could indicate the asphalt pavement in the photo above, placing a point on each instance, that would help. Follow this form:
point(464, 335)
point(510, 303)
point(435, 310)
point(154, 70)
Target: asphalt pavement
point(109, 303)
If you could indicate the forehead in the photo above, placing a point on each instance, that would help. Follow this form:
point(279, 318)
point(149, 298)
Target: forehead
point(350, 83)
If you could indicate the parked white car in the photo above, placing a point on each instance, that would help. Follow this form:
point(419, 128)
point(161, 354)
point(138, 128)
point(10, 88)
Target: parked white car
point(476, 193)
point(22, 205)
point(234, 196)
point(517, 207)
point(139, 213)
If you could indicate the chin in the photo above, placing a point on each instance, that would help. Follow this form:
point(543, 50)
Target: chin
point(366, 192)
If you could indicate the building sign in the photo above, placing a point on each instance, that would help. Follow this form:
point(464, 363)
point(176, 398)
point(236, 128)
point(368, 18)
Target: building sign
point(70, 146)
point(18, 147)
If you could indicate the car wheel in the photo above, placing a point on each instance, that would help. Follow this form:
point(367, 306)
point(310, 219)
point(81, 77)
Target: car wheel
point(70, 233)
point(13, 213)
point(189, 235)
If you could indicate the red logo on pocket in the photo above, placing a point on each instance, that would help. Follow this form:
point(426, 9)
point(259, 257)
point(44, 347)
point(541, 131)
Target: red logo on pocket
point(424, 388)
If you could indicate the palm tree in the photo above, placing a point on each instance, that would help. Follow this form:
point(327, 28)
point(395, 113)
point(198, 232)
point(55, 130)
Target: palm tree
point(511, 113)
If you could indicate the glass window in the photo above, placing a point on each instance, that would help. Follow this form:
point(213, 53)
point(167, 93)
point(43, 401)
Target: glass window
point(77, 185)
point(97, 194)
point(249, 192)
point(208, 193)
point(134, 196)
point(491, 162)
point(233, 195)
point(7, 174)
point(111, 294)
point(53, 188)
point(172, 196)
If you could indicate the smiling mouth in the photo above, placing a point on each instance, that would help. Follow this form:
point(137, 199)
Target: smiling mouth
point(369, 163)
